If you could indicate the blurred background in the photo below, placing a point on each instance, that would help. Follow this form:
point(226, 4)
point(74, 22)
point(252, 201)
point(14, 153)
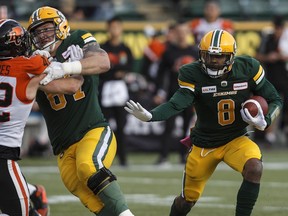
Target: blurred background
point(147, 27)
point(150, 160)
point(151, 10)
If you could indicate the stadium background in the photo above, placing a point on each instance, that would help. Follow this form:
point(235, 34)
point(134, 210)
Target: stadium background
point(249, 19)
point(145, 136)
point(150, 189)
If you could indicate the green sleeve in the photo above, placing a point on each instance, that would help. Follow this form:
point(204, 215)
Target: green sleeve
point(181, 99)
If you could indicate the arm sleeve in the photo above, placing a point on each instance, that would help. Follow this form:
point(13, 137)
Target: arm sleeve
point(181, 99)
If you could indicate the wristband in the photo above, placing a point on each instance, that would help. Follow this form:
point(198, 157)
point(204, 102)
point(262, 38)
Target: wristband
point(72, 67)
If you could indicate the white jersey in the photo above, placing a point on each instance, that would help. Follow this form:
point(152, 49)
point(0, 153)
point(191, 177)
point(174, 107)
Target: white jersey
point(14, 105)
point(13, 114)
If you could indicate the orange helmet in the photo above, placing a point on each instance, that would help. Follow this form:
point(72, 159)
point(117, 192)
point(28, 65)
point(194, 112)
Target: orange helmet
point(14, 39)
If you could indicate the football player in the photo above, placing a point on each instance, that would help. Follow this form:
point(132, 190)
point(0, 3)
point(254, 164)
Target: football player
point(216, 86)
point(81, 138)
point(20, 75)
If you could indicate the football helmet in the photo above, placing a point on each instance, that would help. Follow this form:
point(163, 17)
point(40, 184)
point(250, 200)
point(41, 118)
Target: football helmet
point(14, 39)
point(48, 14)
point(217, 51)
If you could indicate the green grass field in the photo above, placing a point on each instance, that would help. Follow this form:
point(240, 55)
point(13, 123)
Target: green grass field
point(150, 189)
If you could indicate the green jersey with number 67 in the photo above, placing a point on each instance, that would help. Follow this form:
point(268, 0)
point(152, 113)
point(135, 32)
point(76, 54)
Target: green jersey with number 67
point(69, 117)
point(217, 101)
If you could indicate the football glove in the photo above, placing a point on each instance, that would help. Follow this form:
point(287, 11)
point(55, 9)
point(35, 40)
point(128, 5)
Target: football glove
point(74, 53)
point(54, 71)
point(43, 53)
point(258, 121)
point(138, 111)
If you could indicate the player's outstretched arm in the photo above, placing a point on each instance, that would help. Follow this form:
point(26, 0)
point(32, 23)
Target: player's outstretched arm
point(137, 110)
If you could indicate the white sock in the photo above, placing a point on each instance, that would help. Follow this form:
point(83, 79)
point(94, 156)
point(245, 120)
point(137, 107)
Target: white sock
point(126, 213)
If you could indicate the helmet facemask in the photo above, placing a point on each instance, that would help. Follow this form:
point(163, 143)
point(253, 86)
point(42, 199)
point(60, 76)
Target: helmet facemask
point(39, 37)
point(216, 65)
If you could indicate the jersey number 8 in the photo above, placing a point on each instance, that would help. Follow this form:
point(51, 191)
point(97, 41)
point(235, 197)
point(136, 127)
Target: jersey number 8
point(226, 112)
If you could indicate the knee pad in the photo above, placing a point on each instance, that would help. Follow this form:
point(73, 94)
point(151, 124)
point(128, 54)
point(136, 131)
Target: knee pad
point(183, 206)
point(100, 180)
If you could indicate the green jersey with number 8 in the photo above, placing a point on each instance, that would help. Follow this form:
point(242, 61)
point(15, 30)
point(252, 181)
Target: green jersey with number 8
point(217, 101)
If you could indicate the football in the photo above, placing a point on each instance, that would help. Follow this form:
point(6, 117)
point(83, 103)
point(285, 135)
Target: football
point(252, 108)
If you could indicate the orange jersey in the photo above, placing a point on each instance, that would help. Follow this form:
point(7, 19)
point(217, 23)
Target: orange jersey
point(155, 49)
point(15, 107)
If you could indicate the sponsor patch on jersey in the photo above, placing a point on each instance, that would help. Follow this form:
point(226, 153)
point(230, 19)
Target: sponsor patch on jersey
point(240, 86)
point(209, 89)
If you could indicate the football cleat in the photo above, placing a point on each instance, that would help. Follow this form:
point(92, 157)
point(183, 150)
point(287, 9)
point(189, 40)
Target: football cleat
point(40, 201)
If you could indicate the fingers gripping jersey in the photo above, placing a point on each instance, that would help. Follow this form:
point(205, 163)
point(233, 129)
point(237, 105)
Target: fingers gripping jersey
point(218, 101)
point(15, 75)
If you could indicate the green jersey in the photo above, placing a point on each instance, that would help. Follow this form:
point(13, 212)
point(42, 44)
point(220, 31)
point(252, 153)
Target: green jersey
point(70, 117)
point(218, 101)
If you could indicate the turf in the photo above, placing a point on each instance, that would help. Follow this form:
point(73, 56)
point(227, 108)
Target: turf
point(150, 189)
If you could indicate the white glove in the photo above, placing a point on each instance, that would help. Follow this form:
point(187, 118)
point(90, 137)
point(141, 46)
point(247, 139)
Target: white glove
point(54, 71)
point(74, 53)
point(258, 121)
point(43, 53)
point(138, 111)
